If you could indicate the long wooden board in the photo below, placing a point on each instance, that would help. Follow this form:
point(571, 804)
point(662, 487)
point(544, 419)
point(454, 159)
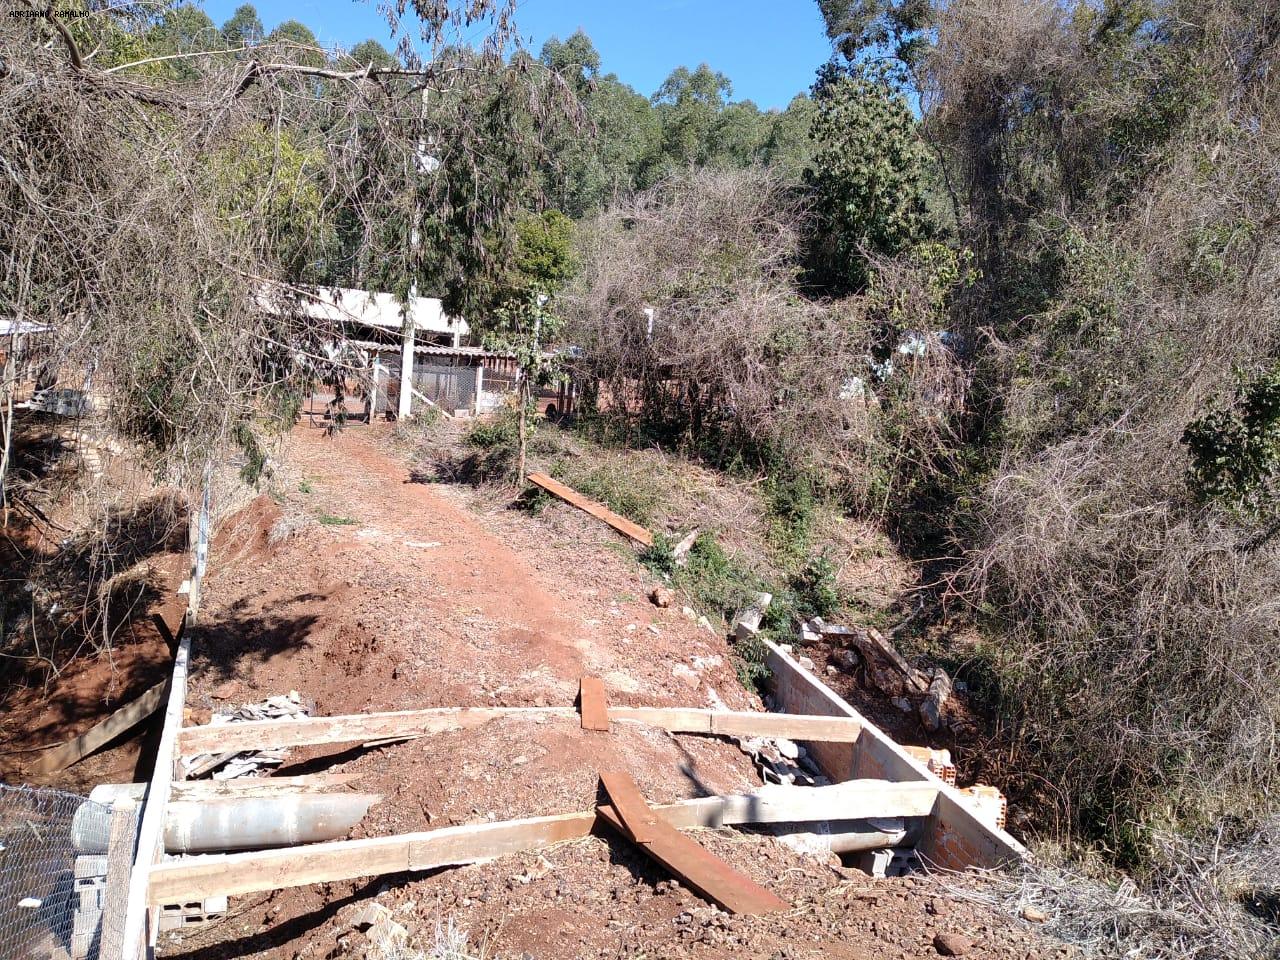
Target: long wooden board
point(362, 727)
point(683, 856)
point(194, 878)
point(259, 786)
point(139, 929)
point(598, 510)
point(641, 822)
point(73, 751)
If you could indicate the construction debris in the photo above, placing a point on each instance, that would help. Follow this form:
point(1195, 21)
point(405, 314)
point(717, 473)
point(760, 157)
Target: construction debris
point(886, 670)
point(747, 623)
point(938, 762)
point(933, 706)
point(229, 765)
point(681, 550)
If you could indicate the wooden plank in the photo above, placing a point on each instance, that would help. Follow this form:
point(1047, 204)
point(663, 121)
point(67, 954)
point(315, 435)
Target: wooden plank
point(597, 510)
point(635, 814)
point(120, 855)
point(594, 706)
point(685, 857)
point(260, 734)
point(139, 928)
point(193, 878)
point(744, 723)
point(259, 786)
point(73, 751)
point(364, 727)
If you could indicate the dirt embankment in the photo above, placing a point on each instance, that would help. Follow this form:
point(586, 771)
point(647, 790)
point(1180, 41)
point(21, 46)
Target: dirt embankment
point(371, 592)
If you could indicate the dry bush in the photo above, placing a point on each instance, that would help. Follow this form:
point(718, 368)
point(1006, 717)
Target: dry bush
point(1140, 672)
point(1212, 900)
point(737, 358)
point(1136, 667)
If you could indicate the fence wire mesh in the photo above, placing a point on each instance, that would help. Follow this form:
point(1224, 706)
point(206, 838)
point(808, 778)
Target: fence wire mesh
point(53, 869)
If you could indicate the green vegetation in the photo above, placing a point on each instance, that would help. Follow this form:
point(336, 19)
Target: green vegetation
point(329, 520)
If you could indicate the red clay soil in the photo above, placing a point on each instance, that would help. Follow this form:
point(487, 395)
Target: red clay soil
point(367, 591)
point(42, 712)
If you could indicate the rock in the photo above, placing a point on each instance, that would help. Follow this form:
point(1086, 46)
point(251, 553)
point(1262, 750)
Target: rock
point(388, 935)
point(806, 663)
point(936, 907)
point(370, 914)
point(831, 670)
point(933, 706)
point(788, 748)
point(226, 691)
point(1034, 914)
point(689, 612)
point(952, 944)
point(686, 674)
point(847, 659)
point(662, 597)
point(747, 622)
point(902, 703)
point(786, 648)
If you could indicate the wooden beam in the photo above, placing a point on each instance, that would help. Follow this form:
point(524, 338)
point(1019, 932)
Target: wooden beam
point(258, 786)
point(598, 510)
point(303, 731)
point(362, 727)
point(954, 837)
point(683, 856)
point(138, 926)
point(121, 838)
point(73, 751)
point(641, 822)
point(194, 878)
point(592, 703)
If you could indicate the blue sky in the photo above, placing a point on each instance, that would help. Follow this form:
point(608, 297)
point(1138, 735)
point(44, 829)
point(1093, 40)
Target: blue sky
point(768, 48)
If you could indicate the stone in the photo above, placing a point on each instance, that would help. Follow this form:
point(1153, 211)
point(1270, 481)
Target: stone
point(662, 597)
point(369, 915)
point(1034, 914)
point(831, 670)
point(806, 663)
point(952, 944)
point(933, 706)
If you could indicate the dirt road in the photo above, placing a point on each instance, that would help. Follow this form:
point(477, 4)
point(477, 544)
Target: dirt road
point(364, 590)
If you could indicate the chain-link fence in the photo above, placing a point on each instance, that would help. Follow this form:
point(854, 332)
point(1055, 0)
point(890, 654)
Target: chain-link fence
point(53, 874)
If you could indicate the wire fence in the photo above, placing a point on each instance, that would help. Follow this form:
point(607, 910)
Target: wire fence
point(53, 874)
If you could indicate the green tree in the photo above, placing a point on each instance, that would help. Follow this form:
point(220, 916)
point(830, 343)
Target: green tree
point(370, 53)
point(243, 28)
point(789, 145)
point(183, 29)
point(867, 177)
point(299, 43)
point(688, 104)
point(526, 321)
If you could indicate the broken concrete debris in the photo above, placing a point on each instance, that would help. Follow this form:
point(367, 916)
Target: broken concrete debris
point(681, 550)
point(230, 765)
point(933, 706)
point(747, 623)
